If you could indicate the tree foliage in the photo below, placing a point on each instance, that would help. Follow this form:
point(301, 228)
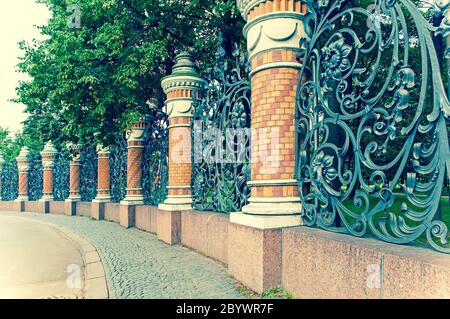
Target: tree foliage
point(100, 77)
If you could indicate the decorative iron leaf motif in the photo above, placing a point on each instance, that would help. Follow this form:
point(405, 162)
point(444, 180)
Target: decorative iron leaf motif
point(154, 164)
point(118, 169)
point(373, 138)
point(88, 173)
point(221, 136)
point(10, 181)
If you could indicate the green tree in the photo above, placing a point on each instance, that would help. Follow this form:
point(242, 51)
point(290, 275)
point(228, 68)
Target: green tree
point(97, 79)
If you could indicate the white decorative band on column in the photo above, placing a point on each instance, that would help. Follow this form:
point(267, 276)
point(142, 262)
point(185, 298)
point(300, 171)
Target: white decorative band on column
point(179, 107)
point(135, 134)
point(276, 30)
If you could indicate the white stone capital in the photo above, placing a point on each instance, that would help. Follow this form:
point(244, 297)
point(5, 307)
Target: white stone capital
point(101, 150)
point(23, 157)
point(136, 133)
point(272, 31)
point(179, 107)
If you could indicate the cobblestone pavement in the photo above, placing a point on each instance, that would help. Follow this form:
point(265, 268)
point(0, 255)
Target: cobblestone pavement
point(137, 265)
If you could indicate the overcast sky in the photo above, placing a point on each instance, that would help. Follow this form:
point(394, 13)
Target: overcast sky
point(17, 21)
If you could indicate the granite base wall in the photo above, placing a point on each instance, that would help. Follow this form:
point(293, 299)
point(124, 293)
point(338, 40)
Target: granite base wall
point(146, 218)
point(84, 209)
point(112, 212)
point(320, 264)
point(207, 233)
point(57, 208)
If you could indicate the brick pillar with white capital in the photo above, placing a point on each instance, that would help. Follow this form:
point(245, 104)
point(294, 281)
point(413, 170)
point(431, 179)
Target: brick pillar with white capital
point(23, 167)
point(273, 31)
point(135, 193)
point(104, 183)
point(75, 170)
point(182, 88)
point(48, 156)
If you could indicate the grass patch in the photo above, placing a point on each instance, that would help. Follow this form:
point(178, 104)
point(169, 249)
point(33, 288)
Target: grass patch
point(276, 293)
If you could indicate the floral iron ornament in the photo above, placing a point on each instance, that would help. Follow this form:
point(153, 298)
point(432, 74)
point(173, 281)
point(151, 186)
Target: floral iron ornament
point(372, 119)
point(221, 160)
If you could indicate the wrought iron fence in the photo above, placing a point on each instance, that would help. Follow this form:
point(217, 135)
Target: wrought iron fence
point(155, 157)
point(118, 169)
point(61, 176)
point(35, 177)
point(10, 181)
point(88, 173)
point(373, 122)
point(220, 135)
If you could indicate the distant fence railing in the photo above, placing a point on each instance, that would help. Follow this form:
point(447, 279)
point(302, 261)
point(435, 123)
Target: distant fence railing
point(10, 181)
point(118, 168)
point(35, 177)
point(61, 174)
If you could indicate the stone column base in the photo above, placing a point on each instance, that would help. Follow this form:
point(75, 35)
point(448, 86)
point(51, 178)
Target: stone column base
point(45, 206)
point(168, 226)
point(254, 256)
point(266, 221)
point(98, 209)
point(127, 214)
point(177, 203)
point(70, 207)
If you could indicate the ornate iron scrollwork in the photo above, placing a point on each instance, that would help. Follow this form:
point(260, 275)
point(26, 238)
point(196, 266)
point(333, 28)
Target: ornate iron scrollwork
point(10, 181)
point(61, 175)
point(373, 122)
point(35, 178)
point(88, 173)
point(155, 165)
point(221, 137)
point(118, 169)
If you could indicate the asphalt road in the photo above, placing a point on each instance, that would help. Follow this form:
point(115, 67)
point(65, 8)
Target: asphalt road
point(37, 261)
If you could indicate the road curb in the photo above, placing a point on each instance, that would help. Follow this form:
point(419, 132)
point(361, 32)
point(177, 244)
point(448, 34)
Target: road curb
point(95, 284)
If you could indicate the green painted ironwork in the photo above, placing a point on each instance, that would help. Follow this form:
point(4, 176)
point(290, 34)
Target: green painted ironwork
point(35, 177)
point(10, 181)
point(155, 159)
point(61, 175)
point(221, 136)
point(118, 169)
point(88, 173)
point(373, 137)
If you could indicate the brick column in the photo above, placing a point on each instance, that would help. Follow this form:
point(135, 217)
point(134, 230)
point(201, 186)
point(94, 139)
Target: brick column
point(273, 32)
point(75, 170)
point(48, 158)
point(104, 183)
point(182, 88)
point(23, 167)
point(134, 196)
point(2, 164)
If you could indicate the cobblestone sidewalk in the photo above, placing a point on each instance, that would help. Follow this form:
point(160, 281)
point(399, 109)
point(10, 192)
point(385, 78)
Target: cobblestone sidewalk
point(137, 265)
